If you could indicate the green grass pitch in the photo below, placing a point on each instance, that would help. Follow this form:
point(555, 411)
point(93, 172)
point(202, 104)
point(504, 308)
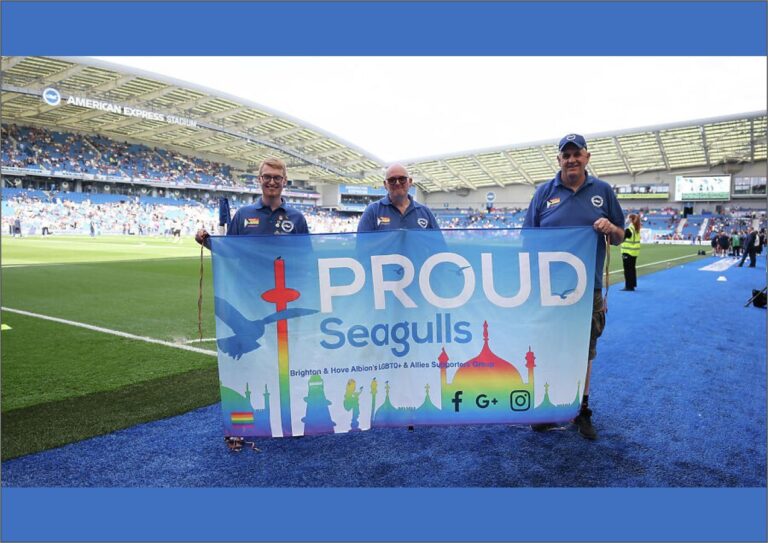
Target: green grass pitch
point(62, 383)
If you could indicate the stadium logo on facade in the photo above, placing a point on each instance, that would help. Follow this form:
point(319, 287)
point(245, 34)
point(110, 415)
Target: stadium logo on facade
point(422, 222)
point(51, 96)
point(597, 201)
point(490, 196)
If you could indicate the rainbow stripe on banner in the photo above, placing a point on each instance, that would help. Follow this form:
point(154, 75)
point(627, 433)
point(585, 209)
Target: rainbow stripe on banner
point(334, 333)
point(242, 418)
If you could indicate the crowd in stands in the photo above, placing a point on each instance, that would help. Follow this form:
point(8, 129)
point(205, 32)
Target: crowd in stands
point(68, 154)
point(471, 218)
point(667, 224)
point(94, 214)
point(321, 221)
point(82, 213)
point(40, 213)
point(60, 153)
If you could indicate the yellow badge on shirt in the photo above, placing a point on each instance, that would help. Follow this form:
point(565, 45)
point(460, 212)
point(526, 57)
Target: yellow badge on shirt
point(383, 220)
point(552, 202)
point(254, 221)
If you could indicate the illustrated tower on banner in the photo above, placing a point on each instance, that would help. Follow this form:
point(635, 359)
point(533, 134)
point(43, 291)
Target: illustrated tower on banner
point(318, 417)
point(550, 411)
point(280, 296)
point(240, 417)
point(387, 415)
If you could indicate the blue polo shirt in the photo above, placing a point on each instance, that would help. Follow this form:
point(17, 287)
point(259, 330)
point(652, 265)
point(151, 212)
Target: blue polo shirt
point(554, 204)
point(383, 215)
point(259, 219)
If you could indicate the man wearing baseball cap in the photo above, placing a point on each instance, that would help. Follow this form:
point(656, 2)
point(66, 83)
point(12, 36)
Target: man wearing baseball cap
point(575, 198)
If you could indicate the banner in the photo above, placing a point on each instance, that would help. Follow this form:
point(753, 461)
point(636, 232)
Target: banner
point(332, 333)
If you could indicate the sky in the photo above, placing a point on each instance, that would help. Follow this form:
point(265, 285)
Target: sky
point(400, 108)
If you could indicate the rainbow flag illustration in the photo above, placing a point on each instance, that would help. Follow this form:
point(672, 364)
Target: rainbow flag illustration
point(238, 417)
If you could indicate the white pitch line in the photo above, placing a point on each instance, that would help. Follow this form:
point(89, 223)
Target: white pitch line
point(204, 340)
point(655, 263)
point(113, 332)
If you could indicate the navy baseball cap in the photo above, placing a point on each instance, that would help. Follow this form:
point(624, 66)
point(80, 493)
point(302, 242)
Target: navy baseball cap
point(576, 139)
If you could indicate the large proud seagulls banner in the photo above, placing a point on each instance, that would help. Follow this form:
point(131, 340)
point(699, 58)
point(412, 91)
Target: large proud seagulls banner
point(333, 333)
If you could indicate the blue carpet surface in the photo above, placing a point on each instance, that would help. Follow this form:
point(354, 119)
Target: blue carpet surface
point(678, 393)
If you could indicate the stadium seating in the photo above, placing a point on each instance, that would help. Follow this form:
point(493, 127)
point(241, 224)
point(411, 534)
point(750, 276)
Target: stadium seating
point(470, 218)
point(64, 154)
point(693, 226)
point(60, 153)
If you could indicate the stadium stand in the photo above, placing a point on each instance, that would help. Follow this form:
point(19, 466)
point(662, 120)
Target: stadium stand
point(77, 213)
point(470, 218)
point(65, 153)
point(694, 226)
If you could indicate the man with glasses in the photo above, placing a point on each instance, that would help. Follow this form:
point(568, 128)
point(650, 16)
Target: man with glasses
point(575, 198)
point(270, 214)
point(397, 209)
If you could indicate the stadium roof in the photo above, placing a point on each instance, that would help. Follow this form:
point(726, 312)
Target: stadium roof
point(237, 130)
point(226, 126)
point(693, 145)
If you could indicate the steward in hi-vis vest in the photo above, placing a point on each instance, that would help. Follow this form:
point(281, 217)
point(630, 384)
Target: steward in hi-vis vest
point(630, 250)
point(631, 245)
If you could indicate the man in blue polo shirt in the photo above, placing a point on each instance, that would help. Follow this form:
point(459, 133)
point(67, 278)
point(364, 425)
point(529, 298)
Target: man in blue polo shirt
point(270, 214)
point(575, 198)
point(397, 209)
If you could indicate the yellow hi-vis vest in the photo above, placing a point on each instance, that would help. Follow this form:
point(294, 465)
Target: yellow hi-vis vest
point(631, 245)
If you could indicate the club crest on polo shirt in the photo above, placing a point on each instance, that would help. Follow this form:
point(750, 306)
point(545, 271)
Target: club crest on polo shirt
point(422, 222)
point(252, 221)
point(552, 202)
point(383, 220)
point(286, 226)
point(597, 201)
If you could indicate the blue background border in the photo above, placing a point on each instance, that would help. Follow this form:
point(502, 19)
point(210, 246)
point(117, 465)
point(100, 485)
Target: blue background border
point(384, 28)
point(431, 28)
point(383, 514)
